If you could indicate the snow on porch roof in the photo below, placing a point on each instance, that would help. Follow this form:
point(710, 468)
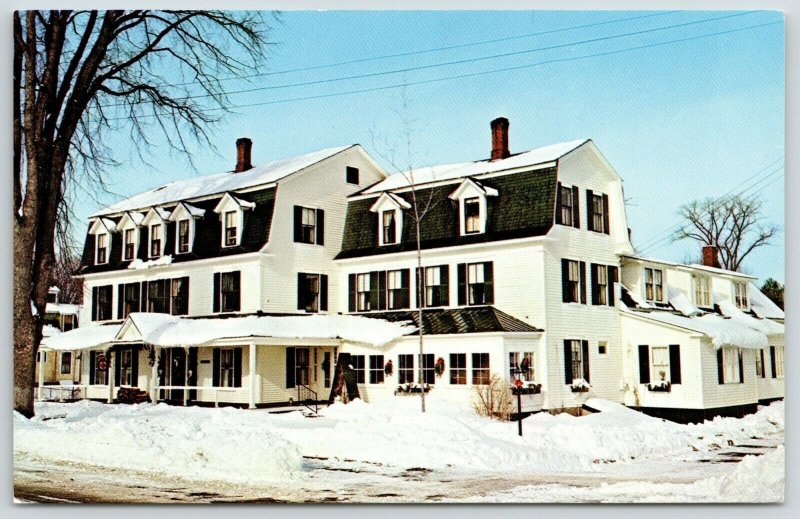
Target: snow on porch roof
point(168, 330)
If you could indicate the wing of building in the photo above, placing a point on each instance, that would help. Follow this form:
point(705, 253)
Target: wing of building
point(281, 281)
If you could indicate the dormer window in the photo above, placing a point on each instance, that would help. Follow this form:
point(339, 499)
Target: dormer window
point(567, 212)
point(472, 196)
point(653, 284)
point(183, 236)
point(597, 218)
point(741, 296)
point(231, 227)
point(102, 249)
point(184, 216)
point(702, 291)
point(389, 207)
point(155, 240)
point(472, 215)
point(130, 244)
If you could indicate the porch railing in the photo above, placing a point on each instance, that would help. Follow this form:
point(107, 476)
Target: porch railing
point(307, 397)
point(214, 389)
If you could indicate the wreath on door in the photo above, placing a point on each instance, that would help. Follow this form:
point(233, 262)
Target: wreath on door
point(438, 368)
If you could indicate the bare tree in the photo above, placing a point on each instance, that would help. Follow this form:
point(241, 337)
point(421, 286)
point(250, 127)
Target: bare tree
point(82, 75)
point(734, 225)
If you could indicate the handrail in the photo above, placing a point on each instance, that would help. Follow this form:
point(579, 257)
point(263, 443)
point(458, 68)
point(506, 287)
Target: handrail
point(305, 395)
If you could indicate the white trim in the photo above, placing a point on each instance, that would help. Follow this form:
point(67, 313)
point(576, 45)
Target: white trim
point(112, 275)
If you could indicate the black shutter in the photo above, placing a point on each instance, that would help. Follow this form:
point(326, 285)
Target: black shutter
point(143, 297)
point(216, 295)
point(351, 292)
point(567, 361)
point(488, 282)
point(444, 277)
point(301, 294)
point(298, 223)
point(720, 368)
point(558, 204)
point(576, 212)
point(611, 279)
point(144, 234)
point(675, 363)
point(590, 210)
point(583, 282)
point(595, 292)
point(323, 292)
point(585, 352)
point(92, 363)
point(420, 285)
point(773, 362)
point(320, 227)
point(117, 366)
point(763, 365)
point(606, 227)
point(565, 291)
point(94, 303)
point(741, 368)
point(290, 369)
point(382, 287)
point(237, 366)
point(462, 283)
point(215, 368)
point(237, 286)
point(405, 282)
point(167, 283)
point(120, 301)
point(374, 290)
point(134, 367)
point(644, 364)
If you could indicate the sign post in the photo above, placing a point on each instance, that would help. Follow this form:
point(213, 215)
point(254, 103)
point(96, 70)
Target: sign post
point(518, 386)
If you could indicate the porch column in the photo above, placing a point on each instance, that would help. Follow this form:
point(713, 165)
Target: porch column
point(41, 375)
point(154, 376)
point(252, 402)
point(185, 375)
point(110, 376)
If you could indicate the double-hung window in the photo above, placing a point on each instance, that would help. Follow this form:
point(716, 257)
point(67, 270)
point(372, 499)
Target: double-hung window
point(660, 362)
point(476, 284)
point(731, 365)
point(436, 286)
point(572, 281)
point(357, 362)
point(389, 227)
point(397, 294)
point(308, 225)
point(101, 303)
point(740, 290)
point(458, 368)
point(566, 205)
point(653, 284)
point(598, 213)
point(226, 365)
point(599, 284)
point(428, 372)
point(702, 291)
point(405, 371)
point(155, 240)
point(99, 369)
point(231, 228)
point(576, 364)
point(362, 292)
point(472, 215)
point(480, 368)
point(180, 296)
point(376, 369)
point(522, 361)
point(131, 299)
point(66, 362)
point(125, 368)
point(158, 296)
point(308, 292)
point(230, 291)
point(183, 236)
point(102, 248)
point(130, 244)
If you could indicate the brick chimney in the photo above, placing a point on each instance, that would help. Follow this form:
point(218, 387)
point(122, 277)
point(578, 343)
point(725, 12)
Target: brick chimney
point(711, 256)
point(500, 139)
point(243, 148)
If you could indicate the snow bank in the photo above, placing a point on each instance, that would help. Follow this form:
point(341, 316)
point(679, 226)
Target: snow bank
point(192, 443)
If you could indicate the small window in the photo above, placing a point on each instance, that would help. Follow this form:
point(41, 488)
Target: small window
point(362, 292)
point(731, 358)
point(472, 216)
point(566, 206)
point(155, 241)
point(102, 248)
point(125, 368)
point(69, 323)
point(66, 363)
point(41, 356)
point(458, 368)
point(376, 369)
point(352, 175)
point(522, 361)
point(130, 244)
point(702, 291)
point(389, 227)
point(231, 229)
point(308, 225)
point(742, 301)
point(602, 347)
point(653, 284)
point(405, 371)
point(428, 371)
point(357, 363)
point(480, 368)
point(660, 362)
point(183, 236)
point(760, 363)
point(226, 368)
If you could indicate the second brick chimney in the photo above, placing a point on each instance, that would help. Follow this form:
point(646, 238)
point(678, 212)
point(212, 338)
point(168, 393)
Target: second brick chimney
point(500, 139)
point(711, 256)
point(243, 148)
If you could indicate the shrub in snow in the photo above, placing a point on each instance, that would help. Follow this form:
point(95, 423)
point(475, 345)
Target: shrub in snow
point(493, 399)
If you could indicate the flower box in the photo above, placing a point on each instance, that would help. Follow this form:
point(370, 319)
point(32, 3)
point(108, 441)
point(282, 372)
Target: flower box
point(531, 389)
point(580, 386)
point(664, 387)
point(404, 389)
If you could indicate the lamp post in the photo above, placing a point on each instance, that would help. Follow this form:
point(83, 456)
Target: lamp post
point(518, 386)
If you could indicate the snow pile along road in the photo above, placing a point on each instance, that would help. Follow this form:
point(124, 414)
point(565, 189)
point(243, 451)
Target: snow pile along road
point(193, 443)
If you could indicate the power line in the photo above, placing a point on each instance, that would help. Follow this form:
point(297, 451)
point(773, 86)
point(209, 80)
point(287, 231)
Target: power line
point(473, 74)
point(657, 238)
point(457, 62)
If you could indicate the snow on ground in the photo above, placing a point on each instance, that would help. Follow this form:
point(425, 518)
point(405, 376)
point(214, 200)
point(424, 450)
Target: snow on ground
point(255, 446)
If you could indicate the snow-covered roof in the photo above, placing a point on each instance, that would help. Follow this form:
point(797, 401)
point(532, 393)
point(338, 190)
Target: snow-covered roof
point(762, 305)
point(765, 326)
point(221, 182)
point(62, 308)
point(722, 331)
point(82, 338)
point(443, 172)
point(189, 209)
point(48, 330)
point(720, 271)
point(693, 266)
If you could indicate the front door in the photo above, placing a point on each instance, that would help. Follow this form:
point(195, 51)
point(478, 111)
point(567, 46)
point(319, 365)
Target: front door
point(172, 372)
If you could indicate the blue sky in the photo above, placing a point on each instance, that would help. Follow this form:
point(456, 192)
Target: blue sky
point(678, 121)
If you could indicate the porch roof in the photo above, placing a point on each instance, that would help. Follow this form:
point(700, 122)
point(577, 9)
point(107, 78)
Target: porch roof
point(169, 330)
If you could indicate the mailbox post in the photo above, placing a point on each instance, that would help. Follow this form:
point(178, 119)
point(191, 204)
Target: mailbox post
point(518, 386)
